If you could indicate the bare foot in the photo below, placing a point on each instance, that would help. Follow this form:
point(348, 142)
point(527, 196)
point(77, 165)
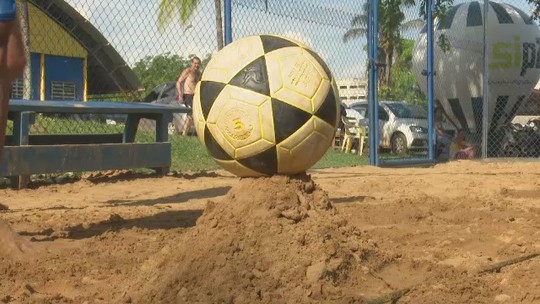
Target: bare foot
point(12, 244)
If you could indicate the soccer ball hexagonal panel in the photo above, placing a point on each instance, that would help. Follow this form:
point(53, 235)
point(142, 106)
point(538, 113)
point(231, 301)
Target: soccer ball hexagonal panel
point(232, 59)
point(274, 112)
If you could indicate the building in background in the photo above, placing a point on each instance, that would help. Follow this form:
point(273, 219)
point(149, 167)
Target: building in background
point(352, 89)
point(70, 58)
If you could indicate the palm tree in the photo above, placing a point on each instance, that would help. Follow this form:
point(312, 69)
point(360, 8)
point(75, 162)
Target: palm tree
point(185, 8)
point(391, 24)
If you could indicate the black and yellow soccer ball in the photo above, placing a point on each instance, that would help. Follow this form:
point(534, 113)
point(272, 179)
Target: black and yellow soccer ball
point(266, 105)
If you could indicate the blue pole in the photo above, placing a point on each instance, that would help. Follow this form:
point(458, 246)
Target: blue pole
point(431, 135)
point(228, 21)
point(371, 81)
point(375, 109)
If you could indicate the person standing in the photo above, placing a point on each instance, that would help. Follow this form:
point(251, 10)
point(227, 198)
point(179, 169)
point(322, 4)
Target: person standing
point(185, 86)
point(12, 63)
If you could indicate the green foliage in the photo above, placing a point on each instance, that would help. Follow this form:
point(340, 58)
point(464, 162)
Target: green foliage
point(440, 11)
point(184, 9)
point(536, 9)
point(337, 159)
point(188, 154)
point(391, 21)
point(168, 9)
point(52, 125)
point(404, 86)
point(154, 70)
point(116, 97)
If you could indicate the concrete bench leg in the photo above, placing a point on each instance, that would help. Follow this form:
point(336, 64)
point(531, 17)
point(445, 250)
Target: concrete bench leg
point(130, 130)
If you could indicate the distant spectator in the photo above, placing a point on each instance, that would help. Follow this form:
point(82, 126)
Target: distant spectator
point(461, 148)
point(186, 89)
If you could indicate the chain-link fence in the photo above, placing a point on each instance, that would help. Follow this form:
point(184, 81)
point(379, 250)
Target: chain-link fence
point(485, 73)
point(81, 50)
point(402, 103)
point(336, 31)
point(486, 76)
point(135, 51)
point(125, 50)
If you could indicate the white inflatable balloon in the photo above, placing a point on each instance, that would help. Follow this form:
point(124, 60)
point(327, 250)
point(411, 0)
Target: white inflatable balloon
point(513, 63)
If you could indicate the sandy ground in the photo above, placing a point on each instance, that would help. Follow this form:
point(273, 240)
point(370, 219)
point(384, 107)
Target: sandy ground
point(430, 231)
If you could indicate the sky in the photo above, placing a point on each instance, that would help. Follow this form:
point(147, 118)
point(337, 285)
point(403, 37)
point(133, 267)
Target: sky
point(131, 27)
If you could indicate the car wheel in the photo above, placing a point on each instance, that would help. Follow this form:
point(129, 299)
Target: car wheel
point(511, 151)
point(399, 144)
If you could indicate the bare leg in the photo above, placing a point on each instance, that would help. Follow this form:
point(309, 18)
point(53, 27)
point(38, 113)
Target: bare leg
point(12, 63)
point(177, 122)
point(187, 125)
point(5, 29)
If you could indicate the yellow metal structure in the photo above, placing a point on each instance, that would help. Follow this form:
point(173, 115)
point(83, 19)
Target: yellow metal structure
point(42, 30)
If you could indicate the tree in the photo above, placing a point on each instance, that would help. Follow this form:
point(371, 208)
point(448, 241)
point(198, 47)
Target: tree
point(168, 9)
point(405, 86)
point(154, 70)
point(391, 23)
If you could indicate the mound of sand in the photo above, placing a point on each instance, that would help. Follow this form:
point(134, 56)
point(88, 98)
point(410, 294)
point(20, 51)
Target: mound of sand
point(11, 244)
point(271, 240)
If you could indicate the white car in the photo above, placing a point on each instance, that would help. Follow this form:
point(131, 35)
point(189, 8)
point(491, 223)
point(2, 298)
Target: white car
point(402, 126)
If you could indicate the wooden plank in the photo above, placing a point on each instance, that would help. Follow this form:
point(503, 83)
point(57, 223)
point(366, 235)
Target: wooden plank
point(69, 139)
point(94, 107)
point(25, 160)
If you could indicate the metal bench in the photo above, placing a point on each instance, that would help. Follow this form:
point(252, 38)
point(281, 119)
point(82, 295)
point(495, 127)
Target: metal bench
point(27, 154)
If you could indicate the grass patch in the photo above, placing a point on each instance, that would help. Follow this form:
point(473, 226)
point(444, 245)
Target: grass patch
point(53, 125)
point(188, 154)
point(336, 159)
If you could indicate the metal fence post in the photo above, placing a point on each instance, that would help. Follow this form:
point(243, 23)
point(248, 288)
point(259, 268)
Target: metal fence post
point(228, 21)
point(375, 50)
point(371, 81)
point(485, 93)
point(429, 49)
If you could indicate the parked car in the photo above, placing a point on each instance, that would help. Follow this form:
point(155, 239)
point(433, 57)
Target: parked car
point(165, 93)
point(402, 126)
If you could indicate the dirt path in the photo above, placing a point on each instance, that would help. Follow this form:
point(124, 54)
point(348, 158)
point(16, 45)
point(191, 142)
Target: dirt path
point(432, 230)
